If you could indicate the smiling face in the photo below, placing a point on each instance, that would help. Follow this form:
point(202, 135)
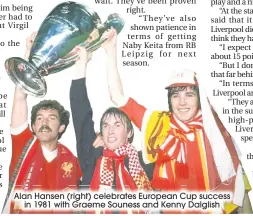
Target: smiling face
point(184, 104)
point(114, 132)
point(47, 126)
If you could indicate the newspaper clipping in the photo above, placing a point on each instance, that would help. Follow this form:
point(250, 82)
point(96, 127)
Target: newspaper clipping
point(126, 106)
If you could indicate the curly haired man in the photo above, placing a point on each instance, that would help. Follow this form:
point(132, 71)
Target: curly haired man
point(39, 161)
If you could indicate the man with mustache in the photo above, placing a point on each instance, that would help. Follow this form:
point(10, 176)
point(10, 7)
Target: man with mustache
point(39, 162)
point(189, 144)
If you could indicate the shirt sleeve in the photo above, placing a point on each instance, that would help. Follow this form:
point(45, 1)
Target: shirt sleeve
point(84, 129)
point(134, 111)
point(18, 143)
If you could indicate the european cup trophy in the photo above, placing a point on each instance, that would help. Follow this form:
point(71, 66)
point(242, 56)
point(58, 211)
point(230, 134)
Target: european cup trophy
point(69, 24)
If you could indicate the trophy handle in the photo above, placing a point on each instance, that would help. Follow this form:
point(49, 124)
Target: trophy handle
point(113, 20)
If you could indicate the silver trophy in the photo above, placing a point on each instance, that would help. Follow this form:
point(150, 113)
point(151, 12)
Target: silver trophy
point(69, 24)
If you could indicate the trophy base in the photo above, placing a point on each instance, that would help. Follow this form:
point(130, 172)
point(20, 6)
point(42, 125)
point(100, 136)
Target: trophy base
point(25, 74)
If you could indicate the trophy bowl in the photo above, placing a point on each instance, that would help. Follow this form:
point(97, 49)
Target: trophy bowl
point(69, 24)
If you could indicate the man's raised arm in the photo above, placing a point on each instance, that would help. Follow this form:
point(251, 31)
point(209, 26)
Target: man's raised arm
point(133, 110)
point(19, 109)
point(82, 119)
point(113, 78)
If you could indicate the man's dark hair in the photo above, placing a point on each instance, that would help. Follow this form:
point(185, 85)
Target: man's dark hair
point(172, 90)
point(113, 111)
point(51, 104)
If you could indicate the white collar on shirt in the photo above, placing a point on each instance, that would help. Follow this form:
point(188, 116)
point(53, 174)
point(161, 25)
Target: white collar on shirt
point(49, 155)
